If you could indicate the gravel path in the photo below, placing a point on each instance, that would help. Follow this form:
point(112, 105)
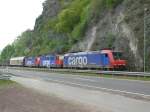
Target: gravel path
point(18, 99)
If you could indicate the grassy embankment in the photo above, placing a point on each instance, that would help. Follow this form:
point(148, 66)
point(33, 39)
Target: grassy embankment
point(4, 83)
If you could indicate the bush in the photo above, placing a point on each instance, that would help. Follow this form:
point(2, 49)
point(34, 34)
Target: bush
point(79, 30)
point(68, 18)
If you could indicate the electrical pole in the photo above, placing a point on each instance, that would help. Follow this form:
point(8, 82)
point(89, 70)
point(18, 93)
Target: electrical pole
point(145, 9)
point(145, 34)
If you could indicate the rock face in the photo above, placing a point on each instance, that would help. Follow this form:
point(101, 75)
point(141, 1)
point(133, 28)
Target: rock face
point(120, 29)
point(50, 9)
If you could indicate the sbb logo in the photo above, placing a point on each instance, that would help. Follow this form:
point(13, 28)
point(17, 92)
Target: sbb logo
point(29, 62)
point(77, 60)
point(46, 63)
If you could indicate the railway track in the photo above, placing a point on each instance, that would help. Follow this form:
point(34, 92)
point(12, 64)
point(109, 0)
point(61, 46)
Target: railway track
point(126, 73)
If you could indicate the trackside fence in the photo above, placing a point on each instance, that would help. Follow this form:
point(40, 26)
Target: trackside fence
point(143, 74)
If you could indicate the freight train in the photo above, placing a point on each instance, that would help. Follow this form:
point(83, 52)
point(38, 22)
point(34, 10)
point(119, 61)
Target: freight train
point(104, 59)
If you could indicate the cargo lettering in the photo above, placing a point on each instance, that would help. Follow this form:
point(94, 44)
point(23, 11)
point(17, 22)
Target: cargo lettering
point(77, 60)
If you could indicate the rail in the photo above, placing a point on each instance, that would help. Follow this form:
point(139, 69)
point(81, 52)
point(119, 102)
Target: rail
point(142, 74)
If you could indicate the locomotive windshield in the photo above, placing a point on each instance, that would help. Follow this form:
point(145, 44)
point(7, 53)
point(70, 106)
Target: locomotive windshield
point(117, 55)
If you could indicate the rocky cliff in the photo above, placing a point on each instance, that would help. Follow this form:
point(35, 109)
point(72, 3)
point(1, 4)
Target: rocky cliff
point(84, 25)
point(122, 29)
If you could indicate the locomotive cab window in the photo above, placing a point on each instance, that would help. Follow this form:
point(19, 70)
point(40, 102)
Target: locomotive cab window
point(117, 55)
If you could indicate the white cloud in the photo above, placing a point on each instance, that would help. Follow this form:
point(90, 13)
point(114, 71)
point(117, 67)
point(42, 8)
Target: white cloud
point(16, 16)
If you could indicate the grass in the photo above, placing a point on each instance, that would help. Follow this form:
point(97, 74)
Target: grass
point(6, 82)
point(90, 74)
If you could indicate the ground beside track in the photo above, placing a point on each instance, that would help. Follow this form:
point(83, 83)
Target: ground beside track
point(98, 101)
point(15, 98)
point(88, 90)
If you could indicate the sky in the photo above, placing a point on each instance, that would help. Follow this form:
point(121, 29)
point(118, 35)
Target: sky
point(17, 16)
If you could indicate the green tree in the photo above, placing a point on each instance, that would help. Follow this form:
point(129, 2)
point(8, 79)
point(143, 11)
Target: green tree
point(68, 18)
point(7, 53)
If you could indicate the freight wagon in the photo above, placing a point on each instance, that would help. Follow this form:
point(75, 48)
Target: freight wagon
point(17, 61)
